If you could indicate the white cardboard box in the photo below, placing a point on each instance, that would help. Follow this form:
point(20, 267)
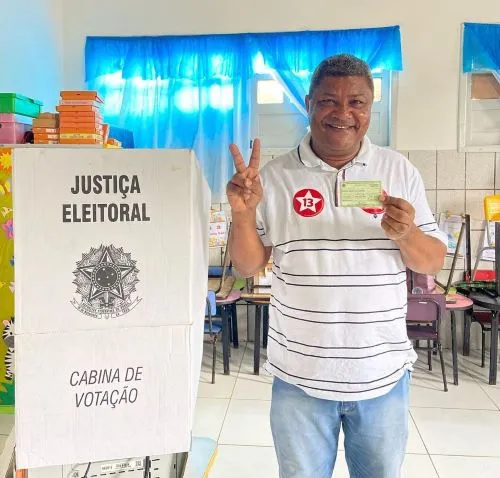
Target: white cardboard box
point(111, 276)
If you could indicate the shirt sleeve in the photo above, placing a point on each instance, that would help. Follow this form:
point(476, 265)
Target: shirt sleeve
point(261, 225)
point(424, 219)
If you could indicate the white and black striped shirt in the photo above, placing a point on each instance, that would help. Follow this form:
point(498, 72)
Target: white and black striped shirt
point(339, 296)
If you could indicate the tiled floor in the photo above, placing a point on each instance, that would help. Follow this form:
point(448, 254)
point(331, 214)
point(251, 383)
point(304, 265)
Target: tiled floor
point(452, 435)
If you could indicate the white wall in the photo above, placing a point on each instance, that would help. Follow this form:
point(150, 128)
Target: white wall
point(31, 49)
point(431, 32)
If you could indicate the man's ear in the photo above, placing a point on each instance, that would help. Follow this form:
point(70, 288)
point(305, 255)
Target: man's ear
point(308, 105)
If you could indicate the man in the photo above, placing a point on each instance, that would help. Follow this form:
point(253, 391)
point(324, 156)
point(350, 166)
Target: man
point(338, 348)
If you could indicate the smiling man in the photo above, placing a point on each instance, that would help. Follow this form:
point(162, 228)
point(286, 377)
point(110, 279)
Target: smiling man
point(338, 349)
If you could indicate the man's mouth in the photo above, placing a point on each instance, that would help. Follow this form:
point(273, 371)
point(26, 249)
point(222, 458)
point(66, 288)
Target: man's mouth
point(339, 126)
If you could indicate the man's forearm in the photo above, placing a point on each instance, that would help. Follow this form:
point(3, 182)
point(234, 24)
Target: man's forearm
point(422, 253)
point(245, 247)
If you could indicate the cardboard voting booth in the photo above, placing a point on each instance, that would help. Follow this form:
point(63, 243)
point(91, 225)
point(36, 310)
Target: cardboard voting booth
point(111, 283)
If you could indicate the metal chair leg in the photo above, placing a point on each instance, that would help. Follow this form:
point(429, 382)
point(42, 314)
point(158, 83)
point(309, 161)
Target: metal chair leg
point(429, 355)
point(483, 347)
point(467, 327)
point(443, 370)
point(214, 358)
point(234, 321)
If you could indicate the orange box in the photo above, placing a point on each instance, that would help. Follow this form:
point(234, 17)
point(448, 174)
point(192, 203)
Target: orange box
point(80, 114)
point(45, 131)
point(81, 95)
point(81, 136)
point(45, 123)
point(93, 130)
point(105, 128)
point(47, 137)
point(79, 125)
point(80, 103)
point(80, 141)
point(46, 141)
point(76, 108)
point(48, 116)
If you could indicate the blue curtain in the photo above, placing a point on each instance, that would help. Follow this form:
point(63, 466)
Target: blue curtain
point(292, 57)
point(481, 48)
point(192, 91)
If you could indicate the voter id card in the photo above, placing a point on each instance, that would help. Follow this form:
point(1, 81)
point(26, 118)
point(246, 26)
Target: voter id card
point(360, 193)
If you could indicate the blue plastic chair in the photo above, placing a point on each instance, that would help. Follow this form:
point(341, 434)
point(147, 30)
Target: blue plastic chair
point(213, 327)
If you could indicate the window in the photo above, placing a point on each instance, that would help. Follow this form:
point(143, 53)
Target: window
point(480, 115)
point(480, 88)
point(270, 92)
point(280, 124)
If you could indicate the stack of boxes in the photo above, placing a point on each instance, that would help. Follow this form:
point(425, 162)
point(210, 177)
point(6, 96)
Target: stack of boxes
point(46, 129)
point(16, 114)
point(80, 118)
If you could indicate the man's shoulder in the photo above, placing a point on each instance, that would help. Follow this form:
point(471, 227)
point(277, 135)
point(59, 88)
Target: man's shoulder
point(280, 162)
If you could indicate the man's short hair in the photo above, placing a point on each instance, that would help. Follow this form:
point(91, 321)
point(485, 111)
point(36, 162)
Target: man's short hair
point(340, 65)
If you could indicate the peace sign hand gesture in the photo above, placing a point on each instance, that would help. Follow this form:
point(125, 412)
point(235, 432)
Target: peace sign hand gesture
point(244, 191)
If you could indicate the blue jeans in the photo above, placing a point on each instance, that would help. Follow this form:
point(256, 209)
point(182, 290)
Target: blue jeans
point(306, 432)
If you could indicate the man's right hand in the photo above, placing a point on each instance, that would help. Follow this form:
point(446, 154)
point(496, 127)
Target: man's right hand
point(244, 191)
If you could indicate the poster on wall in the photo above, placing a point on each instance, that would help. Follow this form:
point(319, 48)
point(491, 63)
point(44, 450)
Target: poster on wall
point(110, 302)
point(6, 284)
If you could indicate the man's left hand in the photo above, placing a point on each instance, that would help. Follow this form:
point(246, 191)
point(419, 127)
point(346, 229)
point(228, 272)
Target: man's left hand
point(398, 221)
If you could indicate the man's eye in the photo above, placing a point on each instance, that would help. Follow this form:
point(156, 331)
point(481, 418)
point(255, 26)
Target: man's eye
point(357, 102)
point(327, 102)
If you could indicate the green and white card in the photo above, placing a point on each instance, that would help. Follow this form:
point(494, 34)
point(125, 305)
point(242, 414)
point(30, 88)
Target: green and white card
point(360, 193)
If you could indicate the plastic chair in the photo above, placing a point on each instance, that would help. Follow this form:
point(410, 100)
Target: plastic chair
point(491, 215)
point(212, 327)
point(423, 322)
point(479, 316)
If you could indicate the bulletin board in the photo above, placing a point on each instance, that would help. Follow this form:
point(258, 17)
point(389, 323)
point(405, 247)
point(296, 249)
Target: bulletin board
point(6, 284)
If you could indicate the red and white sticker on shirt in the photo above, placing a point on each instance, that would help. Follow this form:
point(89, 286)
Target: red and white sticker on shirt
point(308, 202)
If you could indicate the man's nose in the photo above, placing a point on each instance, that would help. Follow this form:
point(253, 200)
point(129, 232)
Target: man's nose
point(342, 111)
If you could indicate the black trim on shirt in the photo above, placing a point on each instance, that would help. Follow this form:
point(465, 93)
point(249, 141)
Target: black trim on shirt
point(325, 249)
point(388, 274)
point(339, 357)
point(334, 240)
point(337, 322)
point(339, 312)
point(292, 284)
point(336, 348)
point(336, 381)
point(428, 224)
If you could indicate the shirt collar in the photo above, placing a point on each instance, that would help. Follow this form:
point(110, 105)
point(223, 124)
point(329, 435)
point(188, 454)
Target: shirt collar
point(309, 159)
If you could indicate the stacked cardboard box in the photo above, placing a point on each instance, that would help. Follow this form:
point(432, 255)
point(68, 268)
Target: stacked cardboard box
point(46, 129)
point(81, 121)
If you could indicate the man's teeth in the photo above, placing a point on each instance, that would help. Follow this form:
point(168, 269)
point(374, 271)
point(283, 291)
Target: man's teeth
point(338, 127)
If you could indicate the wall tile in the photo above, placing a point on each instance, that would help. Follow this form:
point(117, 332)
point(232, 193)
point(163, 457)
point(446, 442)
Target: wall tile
point(432, 199)
point(425, 162)
point(480, 170)
point(404, 153)
point(474, 206)
point(450, 170)
point(452, 201)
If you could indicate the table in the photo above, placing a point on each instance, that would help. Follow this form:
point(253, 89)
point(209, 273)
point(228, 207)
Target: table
point(261, 313)
point(493, 304)
point(461, 303)
point(229, 324)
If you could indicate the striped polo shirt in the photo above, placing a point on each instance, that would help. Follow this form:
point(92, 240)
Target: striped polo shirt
point(338, 304)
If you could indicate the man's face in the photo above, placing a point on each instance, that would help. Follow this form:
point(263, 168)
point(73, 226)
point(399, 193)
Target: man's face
point(339, 114)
